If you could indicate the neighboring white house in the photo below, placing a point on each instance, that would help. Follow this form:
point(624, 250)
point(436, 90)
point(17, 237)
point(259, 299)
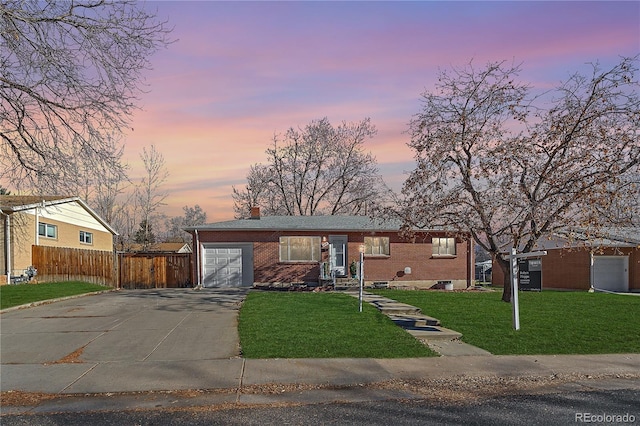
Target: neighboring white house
point(53, 221)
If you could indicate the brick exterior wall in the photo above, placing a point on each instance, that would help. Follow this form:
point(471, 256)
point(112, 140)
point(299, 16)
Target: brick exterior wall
point(571, 269)
point(426, 270)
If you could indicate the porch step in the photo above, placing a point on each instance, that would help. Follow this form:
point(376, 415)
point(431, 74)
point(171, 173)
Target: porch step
point(430, 333)
point(389, 306)
point(347, 284)
point(408, 320)
point(341, 283)
point(423, 328)
point(397, 309)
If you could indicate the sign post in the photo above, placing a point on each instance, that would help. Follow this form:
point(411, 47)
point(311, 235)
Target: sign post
point(361, 275)
point(514, 290)
point(513, 259)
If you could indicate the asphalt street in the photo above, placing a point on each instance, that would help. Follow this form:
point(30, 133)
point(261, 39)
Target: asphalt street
point(567, 408)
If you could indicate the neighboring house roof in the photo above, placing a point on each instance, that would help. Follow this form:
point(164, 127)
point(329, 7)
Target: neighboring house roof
point(303, 223)
point(15, 203)
point(10, 204)
point(161, 248)
point(582, 238)
point(612, 237)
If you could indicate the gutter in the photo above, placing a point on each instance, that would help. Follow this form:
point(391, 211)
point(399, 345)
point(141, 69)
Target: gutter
point(37, 233)
point(310, 229)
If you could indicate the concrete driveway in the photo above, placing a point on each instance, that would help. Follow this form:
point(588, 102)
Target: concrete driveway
point(119, 333)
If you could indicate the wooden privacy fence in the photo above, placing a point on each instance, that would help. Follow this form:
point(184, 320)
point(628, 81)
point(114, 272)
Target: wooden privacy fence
point(70, 264)
point(154, 270)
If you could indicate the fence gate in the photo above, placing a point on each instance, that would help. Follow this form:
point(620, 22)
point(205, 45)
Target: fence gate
point(154, 270)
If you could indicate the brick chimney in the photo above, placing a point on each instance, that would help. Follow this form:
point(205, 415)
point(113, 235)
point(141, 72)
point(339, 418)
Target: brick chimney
point(255, 212)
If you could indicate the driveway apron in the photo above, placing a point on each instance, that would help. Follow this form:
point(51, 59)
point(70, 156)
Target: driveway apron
point(140, 328)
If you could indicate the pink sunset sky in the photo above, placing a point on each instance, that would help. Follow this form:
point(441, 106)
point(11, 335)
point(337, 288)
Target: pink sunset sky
point(240, 72)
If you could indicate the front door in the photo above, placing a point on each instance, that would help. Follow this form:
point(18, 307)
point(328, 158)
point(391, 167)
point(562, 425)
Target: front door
point(339, 261)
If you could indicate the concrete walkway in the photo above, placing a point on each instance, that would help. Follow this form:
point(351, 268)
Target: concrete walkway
point(423, 327)
point(237, 382)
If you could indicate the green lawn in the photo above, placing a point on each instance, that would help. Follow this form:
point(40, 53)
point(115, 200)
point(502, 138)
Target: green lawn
point(328, 325)
point(20, 294)
point(551, 322)
point(320, 325)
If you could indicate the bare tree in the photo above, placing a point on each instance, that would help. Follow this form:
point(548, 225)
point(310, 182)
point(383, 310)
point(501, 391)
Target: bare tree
point(149, 194)
point(112, 198)
point(193, 216)
point(511, 171)
point(320, 169)
point(70, 72)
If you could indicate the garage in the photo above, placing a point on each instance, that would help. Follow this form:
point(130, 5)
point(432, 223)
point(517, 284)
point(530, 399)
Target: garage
point(611, 273)
point(229, 265)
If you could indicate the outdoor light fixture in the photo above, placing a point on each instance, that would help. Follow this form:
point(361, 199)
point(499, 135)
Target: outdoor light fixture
point(325, 243)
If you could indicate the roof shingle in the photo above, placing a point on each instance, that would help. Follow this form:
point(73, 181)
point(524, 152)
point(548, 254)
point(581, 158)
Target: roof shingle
point(302, 223)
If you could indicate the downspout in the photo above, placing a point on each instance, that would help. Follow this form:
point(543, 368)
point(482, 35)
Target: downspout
point(199, 277)
point(38, 225)
point(7, 245)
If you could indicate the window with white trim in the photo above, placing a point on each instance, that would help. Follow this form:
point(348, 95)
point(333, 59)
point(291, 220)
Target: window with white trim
point(299, 249)
point(376, 246)
point(47, 230)
point(86, 237)
point(443, 246)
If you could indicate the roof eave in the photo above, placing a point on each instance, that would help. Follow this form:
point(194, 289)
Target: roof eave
point(192, 230)
point(23, 207)
point(84, 205)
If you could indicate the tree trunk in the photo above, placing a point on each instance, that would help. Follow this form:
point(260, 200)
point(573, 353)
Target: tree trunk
point(505, 266)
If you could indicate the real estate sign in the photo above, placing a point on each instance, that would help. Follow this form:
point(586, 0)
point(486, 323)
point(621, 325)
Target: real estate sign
point(530, 274)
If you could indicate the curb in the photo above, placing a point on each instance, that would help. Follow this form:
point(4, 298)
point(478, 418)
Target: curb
point(471, 389)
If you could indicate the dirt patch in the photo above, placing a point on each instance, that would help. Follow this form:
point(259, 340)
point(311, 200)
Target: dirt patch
point(24, 399)
point(32, 399)
point(72, 358)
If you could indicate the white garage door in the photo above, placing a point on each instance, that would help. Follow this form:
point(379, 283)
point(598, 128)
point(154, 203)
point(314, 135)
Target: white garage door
point(222, 267)
point(611, 273)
